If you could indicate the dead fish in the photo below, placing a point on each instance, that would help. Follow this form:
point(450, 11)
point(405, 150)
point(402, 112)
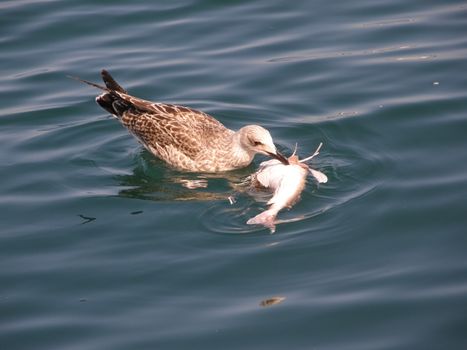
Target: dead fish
point(286, 181)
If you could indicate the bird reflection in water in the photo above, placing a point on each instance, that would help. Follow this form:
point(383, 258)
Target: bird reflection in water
point(153, 180)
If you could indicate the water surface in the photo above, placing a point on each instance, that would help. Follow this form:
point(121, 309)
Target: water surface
point(102, 246)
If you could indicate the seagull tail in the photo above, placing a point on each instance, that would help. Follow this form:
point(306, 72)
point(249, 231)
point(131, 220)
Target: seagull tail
point(110, 83)
point(89, 83)
point(113, 99)
point(113, 103)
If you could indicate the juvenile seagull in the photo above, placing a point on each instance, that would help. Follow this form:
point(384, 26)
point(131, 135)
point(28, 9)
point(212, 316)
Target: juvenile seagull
point(185, 138)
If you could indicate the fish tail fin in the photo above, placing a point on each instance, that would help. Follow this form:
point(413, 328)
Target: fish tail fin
point(266, 218)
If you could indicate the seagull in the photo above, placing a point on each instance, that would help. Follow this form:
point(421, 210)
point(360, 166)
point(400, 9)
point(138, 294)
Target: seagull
point(186, 139)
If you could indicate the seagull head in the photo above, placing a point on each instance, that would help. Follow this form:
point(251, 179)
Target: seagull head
point(257, 139)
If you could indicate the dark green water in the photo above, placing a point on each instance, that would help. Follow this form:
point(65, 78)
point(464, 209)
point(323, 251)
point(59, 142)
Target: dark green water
point(101, 245)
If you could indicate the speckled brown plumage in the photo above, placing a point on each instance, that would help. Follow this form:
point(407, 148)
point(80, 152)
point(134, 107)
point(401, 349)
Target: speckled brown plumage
point(185, 138)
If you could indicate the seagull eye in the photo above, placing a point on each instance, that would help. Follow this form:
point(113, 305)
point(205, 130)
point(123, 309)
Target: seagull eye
point(254, 142)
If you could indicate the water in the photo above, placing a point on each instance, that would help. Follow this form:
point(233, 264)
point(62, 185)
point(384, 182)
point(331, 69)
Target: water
point(101, 245)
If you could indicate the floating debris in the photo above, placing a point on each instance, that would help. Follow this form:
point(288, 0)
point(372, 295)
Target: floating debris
point(272, 301)
point(87, 218)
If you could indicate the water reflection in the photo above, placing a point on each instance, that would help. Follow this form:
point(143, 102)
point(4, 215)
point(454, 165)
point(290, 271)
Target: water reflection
point(152, 179)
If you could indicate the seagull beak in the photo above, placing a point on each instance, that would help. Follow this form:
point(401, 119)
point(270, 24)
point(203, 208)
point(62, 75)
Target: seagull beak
point(279, 157)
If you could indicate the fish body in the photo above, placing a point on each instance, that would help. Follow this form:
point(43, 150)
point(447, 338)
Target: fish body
point(286, 182)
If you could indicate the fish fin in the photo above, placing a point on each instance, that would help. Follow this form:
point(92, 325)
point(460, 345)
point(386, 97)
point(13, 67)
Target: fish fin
point(295, 149)
point(319, 176)
point(266, 218)
point(313, 155)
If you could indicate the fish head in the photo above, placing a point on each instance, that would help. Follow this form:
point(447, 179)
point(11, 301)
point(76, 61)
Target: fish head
point(257, 139)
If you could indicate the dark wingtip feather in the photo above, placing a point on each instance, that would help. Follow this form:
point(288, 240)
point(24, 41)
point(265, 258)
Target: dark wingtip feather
point(88, 82)
point(110, 82)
